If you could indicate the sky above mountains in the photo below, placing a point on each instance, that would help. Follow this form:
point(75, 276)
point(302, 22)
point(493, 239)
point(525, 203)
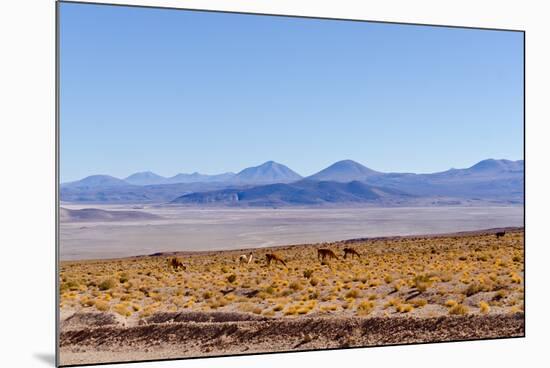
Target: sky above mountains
point(176, 91)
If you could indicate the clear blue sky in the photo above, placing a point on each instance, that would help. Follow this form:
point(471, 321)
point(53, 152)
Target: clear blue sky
point(179, 91)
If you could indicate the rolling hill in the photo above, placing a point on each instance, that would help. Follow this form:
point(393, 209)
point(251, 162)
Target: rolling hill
point(96, 181)
point(301, 193)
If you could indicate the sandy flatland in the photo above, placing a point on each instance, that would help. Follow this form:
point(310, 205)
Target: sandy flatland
point(400, 290)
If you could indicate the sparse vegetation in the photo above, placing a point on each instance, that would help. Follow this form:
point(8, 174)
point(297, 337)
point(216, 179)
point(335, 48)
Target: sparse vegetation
point(407, 276)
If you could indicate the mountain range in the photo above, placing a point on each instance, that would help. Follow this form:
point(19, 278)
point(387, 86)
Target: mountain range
point(344, 182)
point(266, 173)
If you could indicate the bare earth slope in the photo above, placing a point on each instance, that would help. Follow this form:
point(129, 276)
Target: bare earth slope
point(189, 338)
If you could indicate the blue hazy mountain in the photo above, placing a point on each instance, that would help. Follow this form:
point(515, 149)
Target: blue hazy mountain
point(492, 165)
point(96, 181)
point(268, 172)
point(494, 181)
point(145, 178)
point(150, 178)
point(500, 180)
point(300, 193)
point(150, 187)
point(134, 193)
point(199, 178)
point(344, 171)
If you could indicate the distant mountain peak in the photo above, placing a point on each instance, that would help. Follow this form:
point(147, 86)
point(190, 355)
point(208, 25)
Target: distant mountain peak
point(347, 162)
point(96, 181)
point(492, 164)
point(197, 177)
point(344, 171)
point(144, 173)
point(145, 178)
point(268, 172)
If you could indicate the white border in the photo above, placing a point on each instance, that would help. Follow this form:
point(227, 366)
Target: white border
point(27, 152)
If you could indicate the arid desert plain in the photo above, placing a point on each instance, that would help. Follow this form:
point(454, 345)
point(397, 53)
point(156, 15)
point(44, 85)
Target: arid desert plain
point(177, 228)
point(403, 286)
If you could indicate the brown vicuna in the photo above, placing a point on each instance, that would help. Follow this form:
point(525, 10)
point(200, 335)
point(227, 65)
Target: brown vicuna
point(176, 264)
point(324, 253)
point(352, 252)
point(275, 258)
point(500, 234)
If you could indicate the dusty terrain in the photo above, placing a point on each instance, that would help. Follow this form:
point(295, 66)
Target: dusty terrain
point(400, 290)
point(184, 229)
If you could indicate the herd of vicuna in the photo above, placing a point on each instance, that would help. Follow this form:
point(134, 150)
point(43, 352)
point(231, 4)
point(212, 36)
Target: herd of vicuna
point(322, 255)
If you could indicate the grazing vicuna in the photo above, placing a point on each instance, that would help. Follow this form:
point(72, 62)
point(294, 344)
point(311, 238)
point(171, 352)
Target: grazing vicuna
point(244, 259)
point(176, 264)
point(500, 234)
point(275, 258)
point(324, 253)
point(351, 252)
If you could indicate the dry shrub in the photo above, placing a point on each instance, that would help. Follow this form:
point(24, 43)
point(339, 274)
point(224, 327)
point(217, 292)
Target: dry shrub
point(365, 307)
point(484, 307)
point(451, 303)
point(419, 302)
point(404, 308)
point(422, 282)
point(107, 284)
point(474, 288)
point(458, 309)
point(123, 277)
point(102, 305)
point(122, 309)
point(352, 294)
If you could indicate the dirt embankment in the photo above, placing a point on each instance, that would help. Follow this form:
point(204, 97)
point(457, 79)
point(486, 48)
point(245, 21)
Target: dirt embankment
point(179, 335)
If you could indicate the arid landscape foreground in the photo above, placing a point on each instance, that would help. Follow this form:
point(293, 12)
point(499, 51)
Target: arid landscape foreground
point(397, 290)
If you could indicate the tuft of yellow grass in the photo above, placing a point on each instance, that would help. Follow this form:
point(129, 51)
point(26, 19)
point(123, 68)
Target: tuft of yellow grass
point(122, 309)
point(451, 303)
point(419, 302)
point(107, 284)
point(365, 307)
point(354, 293)
point(404, 308)
point(484, 307)
point(458, 309)
point(101, 305)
